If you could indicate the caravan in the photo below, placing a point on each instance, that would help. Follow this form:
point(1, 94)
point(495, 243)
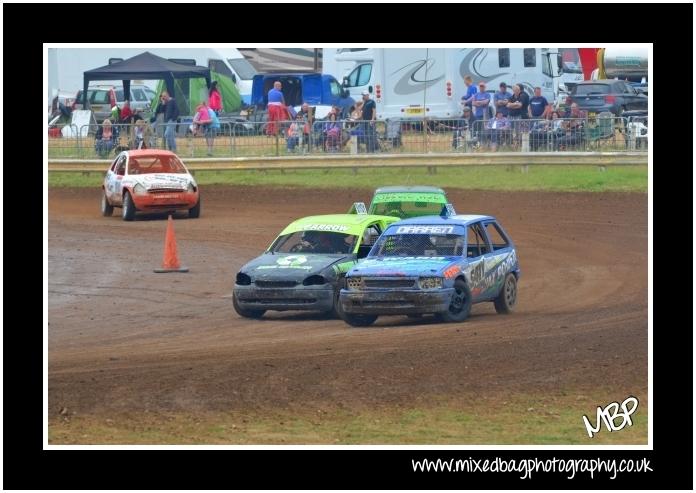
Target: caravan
point(67, 65)
point(428, 82)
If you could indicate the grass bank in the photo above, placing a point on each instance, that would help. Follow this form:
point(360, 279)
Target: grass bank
point(533, 178)
point(520, 419)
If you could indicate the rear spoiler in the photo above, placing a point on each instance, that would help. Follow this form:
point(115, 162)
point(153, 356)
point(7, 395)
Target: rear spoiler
point(448, 210)
point(358, 208)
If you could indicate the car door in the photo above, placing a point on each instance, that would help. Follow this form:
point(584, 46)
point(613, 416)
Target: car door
point(477, 249)
point(501, 259)
point(114, 185)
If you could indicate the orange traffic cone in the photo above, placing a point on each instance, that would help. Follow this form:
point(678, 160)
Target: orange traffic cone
point(170, 263)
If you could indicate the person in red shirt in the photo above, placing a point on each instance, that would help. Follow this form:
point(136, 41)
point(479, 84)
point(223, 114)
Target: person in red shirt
point(126, 112)
point(215, 98)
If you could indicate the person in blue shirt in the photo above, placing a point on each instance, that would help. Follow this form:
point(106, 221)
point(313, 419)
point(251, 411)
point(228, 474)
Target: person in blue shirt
point(498, 130)
point(501, 99)
point(468, 98)
point(276, 108)
point(537, 105)
point(481, 101)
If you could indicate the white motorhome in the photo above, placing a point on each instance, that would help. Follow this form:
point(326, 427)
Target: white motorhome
point(417, 82)
point(66, 66)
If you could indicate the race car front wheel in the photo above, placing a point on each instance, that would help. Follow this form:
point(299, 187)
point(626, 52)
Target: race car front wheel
point(106, 208)
point(128, 207)
point(506, 300)
point(460, 304)
point(195, 211)
point(244, 312)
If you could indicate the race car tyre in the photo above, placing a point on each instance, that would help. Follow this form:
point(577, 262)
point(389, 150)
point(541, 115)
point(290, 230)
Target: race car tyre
point(128, 211)
point(106, 209)
point(506, 300)
point(195, 211)
point(359, 320)
point(245, 312)
point(460, 305)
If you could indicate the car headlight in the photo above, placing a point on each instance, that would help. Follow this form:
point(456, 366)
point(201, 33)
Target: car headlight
point(243, 279)
point(139, 189)
point(314, 280)
point(354, 282)
point(430, 282)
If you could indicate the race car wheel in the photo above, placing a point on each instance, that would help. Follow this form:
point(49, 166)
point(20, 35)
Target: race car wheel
point(460, 305)
point(506, 300)
point(195, 211)
point(359, 320)
point(106, 208)
point(246, 313)
point(128, 211)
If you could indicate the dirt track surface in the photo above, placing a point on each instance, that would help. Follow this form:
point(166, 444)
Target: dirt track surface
point(122, 338)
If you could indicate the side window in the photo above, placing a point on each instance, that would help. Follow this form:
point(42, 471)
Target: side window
point(113, 165)
point(119, 95)
point(365, 74)
point(369, 238)
point(476, 241)
point(335, 89)
point(139, 95)
point(503, 57)
point(360, 75)
point(121, 166)
point(497, 237)
point(529, 57)
point(220, 67)
point(546, 66)
point(101, 97)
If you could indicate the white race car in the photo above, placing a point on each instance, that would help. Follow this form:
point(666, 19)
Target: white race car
point(149, 180)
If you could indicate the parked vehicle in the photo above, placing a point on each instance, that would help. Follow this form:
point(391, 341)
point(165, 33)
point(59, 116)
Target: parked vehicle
point(103, 97)
point(614, 96)
point(298, 88)
point(418, 82)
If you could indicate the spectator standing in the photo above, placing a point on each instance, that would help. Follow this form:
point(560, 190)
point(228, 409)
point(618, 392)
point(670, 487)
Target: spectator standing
point(276, 108)
point(501, 99)
point(215, 98)
point(126, 113)
point(537, 105)
point(307, 113)
point(171, 116)
point(519, 102)
point(468, 97)
point(369, 117)
point(481, 102)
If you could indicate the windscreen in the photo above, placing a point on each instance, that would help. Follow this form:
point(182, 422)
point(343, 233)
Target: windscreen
point(142, 165)
point(420, 241)
point(325, 242)
point(407, 205)
point(587, 89)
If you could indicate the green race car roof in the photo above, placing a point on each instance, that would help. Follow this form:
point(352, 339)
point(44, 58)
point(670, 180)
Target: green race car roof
point(412, 196)
point(351, 224)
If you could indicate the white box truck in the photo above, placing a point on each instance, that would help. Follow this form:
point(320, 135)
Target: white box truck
point(417, 82)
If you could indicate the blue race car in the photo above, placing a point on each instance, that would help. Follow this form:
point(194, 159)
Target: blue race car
point(433, 264)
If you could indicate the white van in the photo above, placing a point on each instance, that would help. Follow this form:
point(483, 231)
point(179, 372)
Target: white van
point(417, 82)
point(66, 66)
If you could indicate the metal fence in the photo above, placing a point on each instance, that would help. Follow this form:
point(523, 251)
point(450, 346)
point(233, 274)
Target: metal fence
point(237, 138)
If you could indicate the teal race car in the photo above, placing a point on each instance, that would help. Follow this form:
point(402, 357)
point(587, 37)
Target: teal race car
point(405, 202)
